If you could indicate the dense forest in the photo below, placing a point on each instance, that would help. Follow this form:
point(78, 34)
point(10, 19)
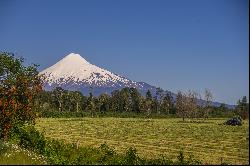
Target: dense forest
point(129, 101)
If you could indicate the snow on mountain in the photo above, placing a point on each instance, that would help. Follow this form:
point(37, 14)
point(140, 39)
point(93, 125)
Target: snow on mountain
point(73, 72)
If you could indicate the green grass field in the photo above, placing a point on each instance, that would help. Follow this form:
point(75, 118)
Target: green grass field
point(207, 141)
point(15, 155)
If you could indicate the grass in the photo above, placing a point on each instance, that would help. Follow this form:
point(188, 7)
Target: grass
point(12, 154)
point(207, 141)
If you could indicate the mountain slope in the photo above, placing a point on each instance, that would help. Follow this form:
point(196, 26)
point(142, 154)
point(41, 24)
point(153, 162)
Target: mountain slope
point(75, 73)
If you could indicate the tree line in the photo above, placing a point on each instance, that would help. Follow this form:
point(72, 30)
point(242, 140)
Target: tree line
point(129, 100)
point(22, 97)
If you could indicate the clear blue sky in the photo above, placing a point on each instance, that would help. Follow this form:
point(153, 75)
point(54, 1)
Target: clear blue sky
point(173, 44)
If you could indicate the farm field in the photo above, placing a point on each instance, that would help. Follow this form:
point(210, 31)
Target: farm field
point(207, 141)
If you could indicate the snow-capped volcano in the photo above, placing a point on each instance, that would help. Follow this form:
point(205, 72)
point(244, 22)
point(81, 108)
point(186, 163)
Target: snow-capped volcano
point(73, 72)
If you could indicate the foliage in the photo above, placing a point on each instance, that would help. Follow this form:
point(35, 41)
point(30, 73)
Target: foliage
point(242, 108)
point(127, 101)
point(186, 105)
point(15, 155)
point(69, 114)
point(30, 138)
point(21, 96)
point(18, 87)
point(3, 147)
point(181, 105)
point(189, 161)
point(221, 112)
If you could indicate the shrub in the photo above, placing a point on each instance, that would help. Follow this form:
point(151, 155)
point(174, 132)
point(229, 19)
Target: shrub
point(131, 157)
point(19, 85)
point(3, 147)
point(30, 138)
point(188, 161)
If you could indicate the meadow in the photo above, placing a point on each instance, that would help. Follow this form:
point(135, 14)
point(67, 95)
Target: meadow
point(208, 141)
point(12, 154)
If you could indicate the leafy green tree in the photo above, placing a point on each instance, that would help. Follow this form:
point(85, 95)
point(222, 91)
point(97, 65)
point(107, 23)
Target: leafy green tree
point(222, 107)
point(114, 101)
point(159, 93)
point(71, 100)
point(43, 101)
point(158, 99)
point(146, 105)
point(242, 108)
point(148, 95)
point(57, 95)
point(91, 105)
point(149, 102)
point(78, 99)
point(19, 85)
point(244, 101)
point(67, 100)
point(104, 102)
point(167, 103)
point(135, 100)
point(125, 100)
point(191, 104)
point(181, 105)
point(186, 104)
point(155, 105)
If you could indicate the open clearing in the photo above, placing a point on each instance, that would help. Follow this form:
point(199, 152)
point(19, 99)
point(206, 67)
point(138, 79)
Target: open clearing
point(207, 141)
